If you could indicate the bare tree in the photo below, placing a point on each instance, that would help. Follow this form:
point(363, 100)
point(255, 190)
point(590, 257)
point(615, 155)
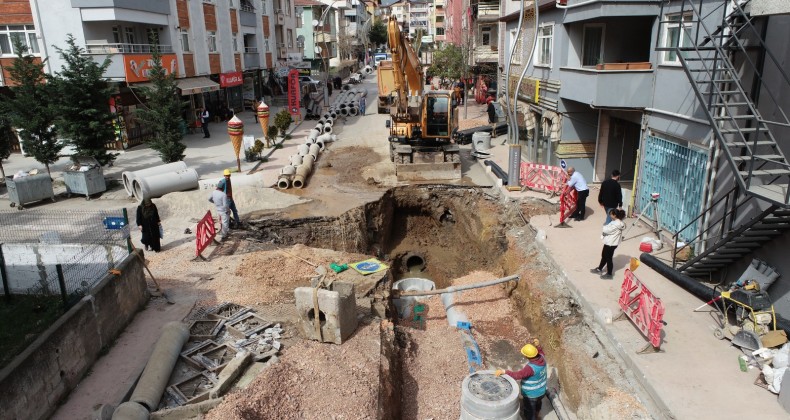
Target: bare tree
point(345, 42)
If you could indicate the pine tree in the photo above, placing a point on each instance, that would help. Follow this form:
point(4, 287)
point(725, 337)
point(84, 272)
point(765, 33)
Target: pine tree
point(29, 107)
point(81, 97)
point(162, 111)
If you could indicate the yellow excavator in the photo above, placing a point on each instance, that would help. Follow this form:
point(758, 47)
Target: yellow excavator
point(423, 124)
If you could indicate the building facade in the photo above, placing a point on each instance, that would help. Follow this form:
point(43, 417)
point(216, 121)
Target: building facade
point(688, 101)
point(224, 53)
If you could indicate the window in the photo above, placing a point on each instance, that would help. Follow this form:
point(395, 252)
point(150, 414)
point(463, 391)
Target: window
point(130, 35)
point(212, 41)
point(439, 31)
point(485, 35)
point(439, 19)
point(545, 38)
point(235, 42)
point(263, 7)
point(266, 45)
point(676, 35)
point(184, 36)
point(25, 33)
point(287, 7)
point(592, 51)
point(290, 38)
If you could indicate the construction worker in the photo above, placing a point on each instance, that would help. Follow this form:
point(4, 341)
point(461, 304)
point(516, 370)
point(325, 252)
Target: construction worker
point(533, 379)
point(231, 204)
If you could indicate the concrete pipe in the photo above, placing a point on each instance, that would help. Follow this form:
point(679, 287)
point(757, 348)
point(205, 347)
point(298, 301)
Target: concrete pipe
point(364, 94)
point(368, 70)
point(314, 150)
point(314, 133)
point(485, 396)
point(344, 112)
point(321, 120)
point(319, 127)
point(255, 180)
point(327, 130)
point(354, 91)
point(333, 115)
point(284, 182)
point(159, 185)
point(346, 87)
point(128, 177)
point(333, 137)
point(324, 138)
point(404, 305)
point(295, 160)
point(288, 170)
point(342, 106)
point(325, 115)
point(320, 145)
point(160, 365)
point(302, 171)
point(302, 149)
point(329, 121)
point(353, 111)
point(308, 160)
point(130, 411)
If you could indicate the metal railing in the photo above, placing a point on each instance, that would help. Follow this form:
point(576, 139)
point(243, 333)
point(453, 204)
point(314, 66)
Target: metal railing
point(126, 48)
point(250, 50)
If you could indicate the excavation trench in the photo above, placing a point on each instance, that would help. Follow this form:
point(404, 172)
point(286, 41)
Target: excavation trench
point(451, 234)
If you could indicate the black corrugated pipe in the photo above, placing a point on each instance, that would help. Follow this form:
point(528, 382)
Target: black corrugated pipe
point(497, 171)
point(692, 286)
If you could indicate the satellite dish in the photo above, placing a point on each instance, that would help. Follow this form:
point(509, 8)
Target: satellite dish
point(315, 22)
point(300, 38)
point(318, 49)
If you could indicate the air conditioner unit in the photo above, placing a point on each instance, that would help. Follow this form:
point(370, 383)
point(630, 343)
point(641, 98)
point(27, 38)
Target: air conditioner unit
point(278, 11)
point(282, 53)
point(282, 45)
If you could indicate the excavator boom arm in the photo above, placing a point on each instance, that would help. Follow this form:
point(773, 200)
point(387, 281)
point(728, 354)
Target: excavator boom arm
point(406, 66)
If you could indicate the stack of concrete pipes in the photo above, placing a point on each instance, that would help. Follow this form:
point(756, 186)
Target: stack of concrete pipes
point(301, 165)
point(346, 104)
point(159, 180)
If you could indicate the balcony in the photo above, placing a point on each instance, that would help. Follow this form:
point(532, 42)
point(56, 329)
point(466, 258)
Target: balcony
point(486, 54)
point(105, 48)
point(252, 60)
point(485, 11)
point(152, 12)
point(131, 62)
point(247, 18)
point(618, 87)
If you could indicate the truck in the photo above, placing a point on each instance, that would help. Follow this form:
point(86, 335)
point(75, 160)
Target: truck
point(423, 124)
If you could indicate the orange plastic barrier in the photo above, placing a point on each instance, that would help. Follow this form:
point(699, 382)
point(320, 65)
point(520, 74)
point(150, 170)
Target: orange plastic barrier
point(568, 200)
point(544, 178)
point(204, 233)
point(643, 308)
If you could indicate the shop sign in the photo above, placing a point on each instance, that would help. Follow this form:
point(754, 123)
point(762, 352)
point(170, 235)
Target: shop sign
point(293, 93)
point(139, 66)
point(230, 79)
point(529, 88)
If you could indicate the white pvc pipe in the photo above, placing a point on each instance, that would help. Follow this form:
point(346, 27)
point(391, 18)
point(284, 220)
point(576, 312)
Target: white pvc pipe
point(328, 129)
point(302, 149)
point(353, 111)
point(128, 177)
point(159, 185)
point(314, 149)
point(324, 138)
point(320, 145)
point(288, 170)
point(295, 160)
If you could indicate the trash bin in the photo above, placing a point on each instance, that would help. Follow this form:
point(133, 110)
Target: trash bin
point(28, 189)
point(84, 176)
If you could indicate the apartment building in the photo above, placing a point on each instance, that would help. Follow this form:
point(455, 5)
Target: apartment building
point(439, 21)
point(224, 53)
point(689, 100)
point(320, 41)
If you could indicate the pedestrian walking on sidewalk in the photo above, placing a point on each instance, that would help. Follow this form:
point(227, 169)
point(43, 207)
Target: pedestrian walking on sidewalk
point(577, 181)
point(204, 117)
point(612, 235)
point(611, 195)
point(492, 119)
point(220, 200)
point(149, 224)
point(362, 103)
point(533, 378)
point(231, 204)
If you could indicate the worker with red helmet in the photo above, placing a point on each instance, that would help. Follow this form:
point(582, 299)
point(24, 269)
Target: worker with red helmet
point(533, 379)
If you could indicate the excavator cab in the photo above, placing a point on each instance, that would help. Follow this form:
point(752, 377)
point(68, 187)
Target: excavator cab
point(438, 114)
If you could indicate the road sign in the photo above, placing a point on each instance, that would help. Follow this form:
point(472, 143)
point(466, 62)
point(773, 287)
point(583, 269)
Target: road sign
point(368, 266)
point(563, 164)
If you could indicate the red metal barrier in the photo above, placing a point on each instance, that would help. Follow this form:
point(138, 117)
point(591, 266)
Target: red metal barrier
point(544, 178)
point(643, 308)
point(568, 200)
point(204, 233)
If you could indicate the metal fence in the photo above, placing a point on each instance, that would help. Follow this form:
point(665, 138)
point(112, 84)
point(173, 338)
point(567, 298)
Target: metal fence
point(60, 253)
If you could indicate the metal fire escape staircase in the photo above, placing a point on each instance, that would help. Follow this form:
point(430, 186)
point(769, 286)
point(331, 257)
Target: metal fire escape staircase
point(744, 137)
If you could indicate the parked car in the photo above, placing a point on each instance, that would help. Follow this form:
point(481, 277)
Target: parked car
point(310, 80)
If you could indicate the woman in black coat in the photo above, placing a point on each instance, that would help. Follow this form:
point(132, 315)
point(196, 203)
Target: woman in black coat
point(148, 222)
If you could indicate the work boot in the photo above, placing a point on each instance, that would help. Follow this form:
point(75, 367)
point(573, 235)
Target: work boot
point(596, 270)
point(606, 276)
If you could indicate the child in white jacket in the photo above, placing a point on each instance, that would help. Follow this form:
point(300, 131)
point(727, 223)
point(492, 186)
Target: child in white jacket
point(611, 235)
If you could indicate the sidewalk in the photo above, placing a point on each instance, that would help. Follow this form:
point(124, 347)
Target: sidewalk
point(696, 376)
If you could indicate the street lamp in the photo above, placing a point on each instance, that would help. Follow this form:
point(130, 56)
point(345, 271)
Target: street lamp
point(319, 23)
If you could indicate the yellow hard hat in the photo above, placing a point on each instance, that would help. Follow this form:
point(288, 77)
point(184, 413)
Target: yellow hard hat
point(227, 172)
point(529, 351)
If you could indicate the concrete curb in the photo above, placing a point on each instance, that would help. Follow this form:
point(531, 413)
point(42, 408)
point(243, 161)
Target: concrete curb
point(605, 336)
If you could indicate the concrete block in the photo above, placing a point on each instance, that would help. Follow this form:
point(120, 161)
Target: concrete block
point(232, 371)
point(769, 7)
point(337, 311)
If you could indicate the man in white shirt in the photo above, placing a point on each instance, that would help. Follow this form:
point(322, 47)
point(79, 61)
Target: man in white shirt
point(577, 181)
point(220, 200)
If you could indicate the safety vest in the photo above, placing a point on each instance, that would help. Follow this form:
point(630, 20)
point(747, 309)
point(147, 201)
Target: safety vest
point(535, 385)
